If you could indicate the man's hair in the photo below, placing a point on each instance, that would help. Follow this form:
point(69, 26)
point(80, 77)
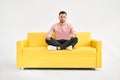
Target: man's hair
point(62, 12)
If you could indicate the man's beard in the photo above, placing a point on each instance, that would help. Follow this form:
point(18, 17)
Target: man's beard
point(62, 21)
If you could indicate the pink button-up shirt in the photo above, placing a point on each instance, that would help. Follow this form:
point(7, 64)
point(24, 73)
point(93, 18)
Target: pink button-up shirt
point(62, 31)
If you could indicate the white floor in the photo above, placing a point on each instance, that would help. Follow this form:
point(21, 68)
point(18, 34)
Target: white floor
point(109, 71)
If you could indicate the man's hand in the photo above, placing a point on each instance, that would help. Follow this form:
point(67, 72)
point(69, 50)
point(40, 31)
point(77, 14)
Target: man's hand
point(72, 35)
point(48, 37)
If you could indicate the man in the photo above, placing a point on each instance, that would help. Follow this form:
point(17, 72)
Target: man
point(65, 34)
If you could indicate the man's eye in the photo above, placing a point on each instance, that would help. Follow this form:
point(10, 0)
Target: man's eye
point(62, 17)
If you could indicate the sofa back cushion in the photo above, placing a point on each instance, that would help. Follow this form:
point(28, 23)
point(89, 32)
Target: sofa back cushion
point(37, 39)
point(84, 39)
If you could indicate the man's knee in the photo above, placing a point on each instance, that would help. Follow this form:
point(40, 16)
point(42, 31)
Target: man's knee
point(75, 39)
point(48, 40)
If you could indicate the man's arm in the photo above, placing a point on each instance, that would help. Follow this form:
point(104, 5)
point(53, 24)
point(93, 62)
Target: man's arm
point(49, 35)
point(72, 32)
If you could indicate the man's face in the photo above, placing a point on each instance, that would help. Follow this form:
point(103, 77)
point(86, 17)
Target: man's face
point(62, 18)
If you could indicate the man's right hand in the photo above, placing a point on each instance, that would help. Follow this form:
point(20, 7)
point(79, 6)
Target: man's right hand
point(48, 37)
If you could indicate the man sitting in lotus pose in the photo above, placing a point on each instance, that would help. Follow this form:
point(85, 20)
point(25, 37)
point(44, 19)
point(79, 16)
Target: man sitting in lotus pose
point(65, 34)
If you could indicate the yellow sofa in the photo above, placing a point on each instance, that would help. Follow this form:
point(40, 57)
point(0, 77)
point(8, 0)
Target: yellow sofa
point(33, 53)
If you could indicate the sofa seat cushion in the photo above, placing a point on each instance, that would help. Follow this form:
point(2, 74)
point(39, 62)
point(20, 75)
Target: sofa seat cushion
point(77, 51)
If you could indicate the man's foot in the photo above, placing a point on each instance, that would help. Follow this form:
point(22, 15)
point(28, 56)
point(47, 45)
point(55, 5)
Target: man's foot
point(69, 48)
point(50, 47)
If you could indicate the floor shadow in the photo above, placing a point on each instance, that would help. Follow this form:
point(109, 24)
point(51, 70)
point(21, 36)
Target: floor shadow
point(92, 69)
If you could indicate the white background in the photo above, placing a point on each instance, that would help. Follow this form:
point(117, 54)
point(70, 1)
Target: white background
point(100, 17)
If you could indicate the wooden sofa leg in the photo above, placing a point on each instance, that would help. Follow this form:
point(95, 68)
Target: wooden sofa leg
point(21, 68)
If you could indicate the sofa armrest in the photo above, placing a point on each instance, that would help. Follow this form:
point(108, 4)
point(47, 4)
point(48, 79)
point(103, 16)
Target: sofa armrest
point(20, 45)
point(98, 45)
